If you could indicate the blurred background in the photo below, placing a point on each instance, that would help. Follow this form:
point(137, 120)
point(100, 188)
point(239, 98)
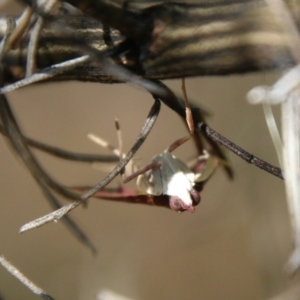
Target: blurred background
point(233, 247)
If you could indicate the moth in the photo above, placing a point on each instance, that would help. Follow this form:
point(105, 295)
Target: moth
point(168, 175)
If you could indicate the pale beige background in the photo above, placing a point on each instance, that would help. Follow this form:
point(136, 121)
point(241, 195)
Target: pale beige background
point(233, 247)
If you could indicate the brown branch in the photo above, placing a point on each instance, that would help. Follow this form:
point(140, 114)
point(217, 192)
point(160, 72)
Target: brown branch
point(248, 157)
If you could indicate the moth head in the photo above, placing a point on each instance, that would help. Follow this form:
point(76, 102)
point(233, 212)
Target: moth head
point(187, 203)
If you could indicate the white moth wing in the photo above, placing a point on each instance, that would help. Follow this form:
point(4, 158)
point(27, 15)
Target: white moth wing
point(174, 179)
point(185, 169)
point(209, 167)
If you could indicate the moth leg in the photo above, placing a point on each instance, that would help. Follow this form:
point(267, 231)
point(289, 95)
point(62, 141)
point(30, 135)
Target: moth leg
point(211, 162)
point(178, 143)
point(131, 166)
point(188, 111)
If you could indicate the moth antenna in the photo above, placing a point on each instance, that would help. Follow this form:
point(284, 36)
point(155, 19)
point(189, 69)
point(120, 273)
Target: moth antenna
point(119, 137)
point(101, 142)
point(120, 142)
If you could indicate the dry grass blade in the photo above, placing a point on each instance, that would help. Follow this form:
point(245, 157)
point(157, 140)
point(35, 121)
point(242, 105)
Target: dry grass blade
point(23, 279)
point(46, 74)
point(34, 37)
point(65, 154)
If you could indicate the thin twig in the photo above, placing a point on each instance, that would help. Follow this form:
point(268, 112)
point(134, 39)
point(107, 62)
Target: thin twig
point(248, 157)
point(215, 150)
point(23, 279)
point(46, 73)
point(64, 154)
point(34, 37)
point(21, 27)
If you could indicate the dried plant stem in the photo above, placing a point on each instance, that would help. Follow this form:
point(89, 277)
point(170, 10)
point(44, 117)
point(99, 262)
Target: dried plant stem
point(45, 74)
point(21, 27)
point(248, 157)
point(34, 37)
point(64, 154)
point(23, 279)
